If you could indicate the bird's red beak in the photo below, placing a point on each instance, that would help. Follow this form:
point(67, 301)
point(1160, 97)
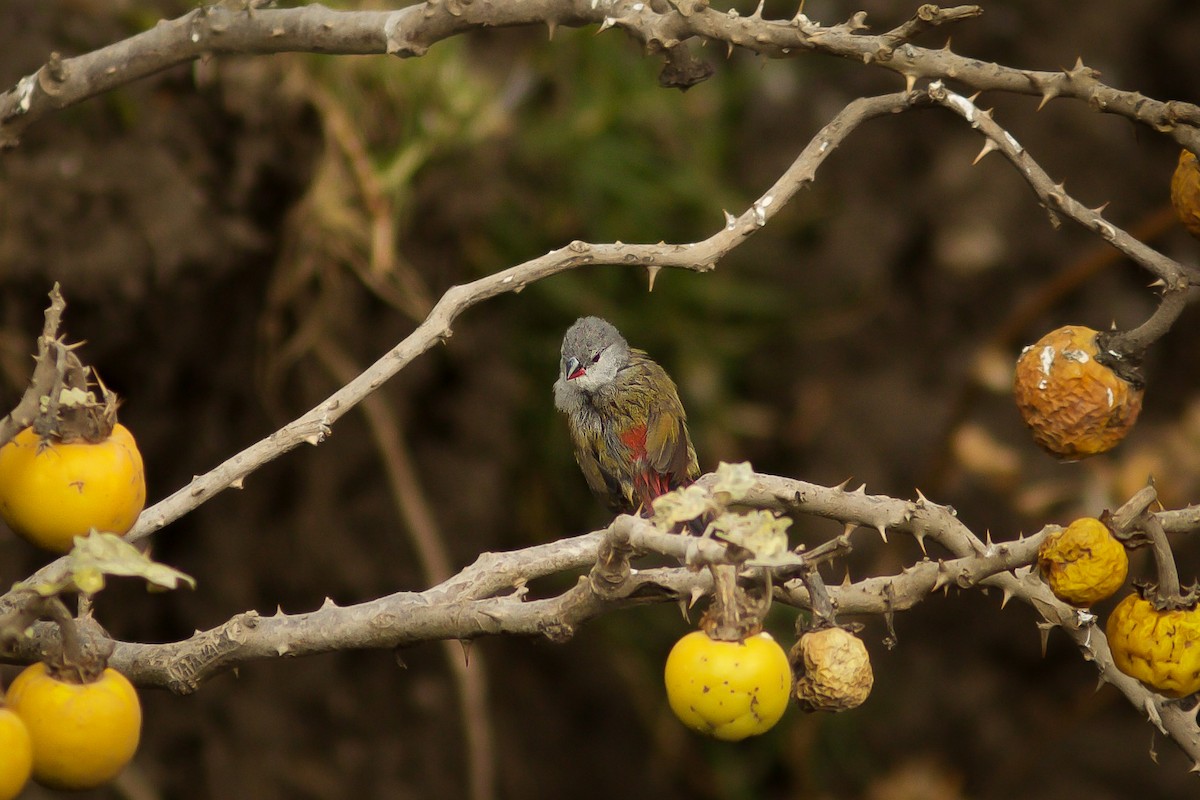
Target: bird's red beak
point(573, 369)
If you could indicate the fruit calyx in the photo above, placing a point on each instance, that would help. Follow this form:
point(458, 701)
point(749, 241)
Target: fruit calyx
point(78, 406)
point(1124, 364)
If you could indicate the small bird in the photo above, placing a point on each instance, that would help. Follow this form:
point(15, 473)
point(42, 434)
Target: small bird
point(627, 424)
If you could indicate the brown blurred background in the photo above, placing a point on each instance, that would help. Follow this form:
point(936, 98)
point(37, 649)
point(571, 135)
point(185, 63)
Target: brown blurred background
point(212, 229)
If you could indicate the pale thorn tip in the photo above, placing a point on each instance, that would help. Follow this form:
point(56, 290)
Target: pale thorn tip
point(238, 483)
point(910, 81)
point(988, 147)
point(652, 273)
point(882, 533)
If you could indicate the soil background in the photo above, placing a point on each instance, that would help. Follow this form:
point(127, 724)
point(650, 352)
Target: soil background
point(211, 228)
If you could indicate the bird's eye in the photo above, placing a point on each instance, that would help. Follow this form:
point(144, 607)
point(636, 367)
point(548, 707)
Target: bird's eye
point(596, 357)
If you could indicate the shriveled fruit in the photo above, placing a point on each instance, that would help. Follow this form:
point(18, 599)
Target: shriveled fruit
point(833, 670)
point(728, 690)
point(51, 491)
point(1083, 563)
point(83, 734)
point(16, 754)
point(1161, 648)
point(1185, 191)
point(1075, 405)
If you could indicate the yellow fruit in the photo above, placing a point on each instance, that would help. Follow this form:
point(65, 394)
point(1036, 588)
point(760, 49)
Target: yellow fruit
point(1185, 191)
point(1075, 405)
point(1083, 563)
point(51, 493)
point(1159, 648)
point(83, 734)
point(833, 669)
point(729, 690)
point(16, 755)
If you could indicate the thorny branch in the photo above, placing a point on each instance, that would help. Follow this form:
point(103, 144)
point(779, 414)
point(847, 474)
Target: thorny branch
point(489, 597)
point(663, 28)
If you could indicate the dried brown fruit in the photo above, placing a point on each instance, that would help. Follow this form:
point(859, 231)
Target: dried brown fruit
point(1073, 401)
point(833, 669)
point(1185, 191)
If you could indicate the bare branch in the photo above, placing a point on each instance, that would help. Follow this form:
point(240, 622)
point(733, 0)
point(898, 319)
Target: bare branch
point(411, 31)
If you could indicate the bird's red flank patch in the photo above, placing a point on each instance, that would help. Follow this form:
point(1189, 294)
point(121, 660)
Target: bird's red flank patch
point(635, 440)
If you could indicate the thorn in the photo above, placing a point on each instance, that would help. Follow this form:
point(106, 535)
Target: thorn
point(841, 487)
point(942, 581)
point(328, 603)
point(400, 662)
point(1048, 94)
point(861, 490)
point(606, 24)
point(946, 46)
point(729, 50)
point(987, 537)
point(1005, 597)
point(920, 537)
point(552, 25)
point(1099, 210)
point(466, 650)
point(846, 578)
point(652, 271)
point(240, 483)
point(1044, 629)
point(282, 648)
point(987, 112)
point(758, 11)
point(882, 533)
point(910, 80)
point(988, 147)
point(697, 593)
point(921, 499)
point(1151, 709)
point(974, 97)
point(279, 611)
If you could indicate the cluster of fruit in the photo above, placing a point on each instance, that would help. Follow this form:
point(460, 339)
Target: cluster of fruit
point(1154, 639)
point(67, 735)
point(68, 728)
point(734, 689)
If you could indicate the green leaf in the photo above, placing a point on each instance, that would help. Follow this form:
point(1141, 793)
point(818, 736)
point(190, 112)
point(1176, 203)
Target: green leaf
point(102, 554)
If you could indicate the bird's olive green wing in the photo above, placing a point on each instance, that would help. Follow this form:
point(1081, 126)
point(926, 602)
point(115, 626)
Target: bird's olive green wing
point(668, 447)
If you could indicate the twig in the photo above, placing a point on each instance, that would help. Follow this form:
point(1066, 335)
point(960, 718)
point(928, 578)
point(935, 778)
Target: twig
point(315, 425)
point(45, 371)
point(411, 31)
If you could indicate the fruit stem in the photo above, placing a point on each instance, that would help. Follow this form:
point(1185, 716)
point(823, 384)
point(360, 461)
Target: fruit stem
point(1123, 350)
point(1164, 561)
point(818, 597)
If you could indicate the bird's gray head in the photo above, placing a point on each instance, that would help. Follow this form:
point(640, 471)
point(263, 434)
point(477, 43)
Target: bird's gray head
point(593, 352)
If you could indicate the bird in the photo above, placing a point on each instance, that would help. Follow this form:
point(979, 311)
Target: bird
point(627, 423)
